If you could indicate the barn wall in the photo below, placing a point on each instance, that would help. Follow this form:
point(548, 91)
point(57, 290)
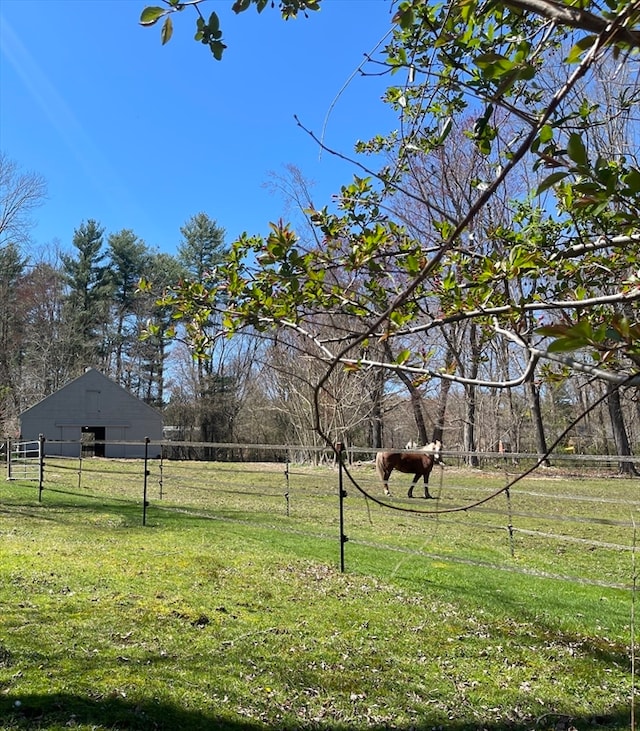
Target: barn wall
point(92, 401)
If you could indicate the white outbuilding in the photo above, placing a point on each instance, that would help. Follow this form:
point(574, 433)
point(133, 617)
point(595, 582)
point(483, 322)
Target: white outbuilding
point(93, 408)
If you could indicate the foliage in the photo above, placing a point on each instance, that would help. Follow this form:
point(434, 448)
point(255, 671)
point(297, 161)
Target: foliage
point(202, 247)
point(553, 275)
point(208, 31)
point(127, 255)
point(65, 311)
point(12, 265)
point(89, 285)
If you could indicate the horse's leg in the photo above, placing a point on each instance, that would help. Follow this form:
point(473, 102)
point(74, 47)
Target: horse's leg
point(427, 495)
point(413, 484)
point(385, 481)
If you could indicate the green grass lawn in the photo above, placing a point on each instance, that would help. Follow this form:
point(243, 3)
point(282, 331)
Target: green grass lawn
point(227, 610)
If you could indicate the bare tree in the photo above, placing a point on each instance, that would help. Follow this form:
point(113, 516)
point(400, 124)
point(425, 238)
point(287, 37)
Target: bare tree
point(20, 194)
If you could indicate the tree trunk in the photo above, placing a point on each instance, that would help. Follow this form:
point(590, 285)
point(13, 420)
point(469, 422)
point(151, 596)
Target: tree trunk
point(416, 401)
point(619, 431)
point(533, 393)
point(416, 406)
point(441, 409)
point(376, 422)
point(160, 373)
point(469, 431)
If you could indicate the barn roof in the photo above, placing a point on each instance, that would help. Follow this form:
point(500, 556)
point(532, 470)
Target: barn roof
point(92, 378)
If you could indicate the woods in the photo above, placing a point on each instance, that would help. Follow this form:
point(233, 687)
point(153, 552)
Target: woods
point(476, 282)
point(84, 307)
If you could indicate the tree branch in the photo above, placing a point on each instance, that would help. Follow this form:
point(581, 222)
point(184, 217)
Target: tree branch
point(601, 243)
point(612, 377)
point(574, 17)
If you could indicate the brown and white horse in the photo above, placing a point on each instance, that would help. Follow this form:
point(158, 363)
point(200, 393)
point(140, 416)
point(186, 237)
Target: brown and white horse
point(418, 463)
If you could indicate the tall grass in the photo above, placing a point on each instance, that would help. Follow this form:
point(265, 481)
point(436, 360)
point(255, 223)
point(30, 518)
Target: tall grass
point(227, 609)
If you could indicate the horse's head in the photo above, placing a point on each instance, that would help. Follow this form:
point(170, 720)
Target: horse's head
point(434, 448)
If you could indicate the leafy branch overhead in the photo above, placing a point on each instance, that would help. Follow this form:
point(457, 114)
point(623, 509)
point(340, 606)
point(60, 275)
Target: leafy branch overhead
point(208, 31)
point(504, 210)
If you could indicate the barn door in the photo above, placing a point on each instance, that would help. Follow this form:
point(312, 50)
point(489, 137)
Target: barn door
point(91, 434)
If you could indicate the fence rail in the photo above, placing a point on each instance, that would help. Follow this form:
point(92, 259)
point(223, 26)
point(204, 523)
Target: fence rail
point(238, 452)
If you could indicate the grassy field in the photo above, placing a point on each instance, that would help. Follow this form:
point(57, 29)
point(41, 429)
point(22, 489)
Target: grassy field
point(227, 609)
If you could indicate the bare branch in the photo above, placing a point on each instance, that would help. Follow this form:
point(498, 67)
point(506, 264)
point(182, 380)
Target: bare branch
point(575, 17)
point(20, 195)
point(601, 243)
point(612, 377)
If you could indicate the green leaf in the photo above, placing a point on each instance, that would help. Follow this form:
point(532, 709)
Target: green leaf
point(551, 330)
point(546, 133)
point(444, 133)
point(240, 6)
point(564, 345)
point(576, 149)
point(167, 30)
point(550, 181)
point(214, 23)
point(449, 282)
point(217, 48)
point(405, 16)
point(632, 182)
point(575, 54)
point(494, 65)
point(403, 356)
point(573, 337)
point(152, 15)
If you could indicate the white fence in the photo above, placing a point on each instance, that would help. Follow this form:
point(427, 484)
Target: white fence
point(24, 460)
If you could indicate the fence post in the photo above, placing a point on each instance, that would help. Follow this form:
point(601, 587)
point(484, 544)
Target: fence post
point(161, 480)
point(145, 503)
point(286, 478)
point(9, 448)
point(510, 525)
point(343, 494)
point(80, 466)
point(41, 441)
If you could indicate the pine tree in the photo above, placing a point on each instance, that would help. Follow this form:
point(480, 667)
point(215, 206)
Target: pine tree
point(202, 247)
point(87, 302)
point(128, 257)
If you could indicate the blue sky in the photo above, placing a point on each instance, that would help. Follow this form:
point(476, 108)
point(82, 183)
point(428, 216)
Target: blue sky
point(142, 137)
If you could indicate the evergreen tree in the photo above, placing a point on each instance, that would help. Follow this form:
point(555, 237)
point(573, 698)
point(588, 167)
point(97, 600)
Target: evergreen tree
point(200, 251)
point(202, 247)
point(12, 266)
point(88, 296)
point(128, 257)
point(154, 325)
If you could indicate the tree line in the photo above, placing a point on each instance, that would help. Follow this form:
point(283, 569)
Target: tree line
point(67, 310)
point(100, 304)
point(477, 281)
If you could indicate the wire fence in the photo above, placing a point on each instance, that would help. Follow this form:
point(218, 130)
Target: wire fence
point(574, 521)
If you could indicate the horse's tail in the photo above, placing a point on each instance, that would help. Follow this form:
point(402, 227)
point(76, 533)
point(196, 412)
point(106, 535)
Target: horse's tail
point(379, 466)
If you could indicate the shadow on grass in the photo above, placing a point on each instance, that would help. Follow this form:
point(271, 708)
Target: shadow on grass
point(40, 712)
point(69, 507)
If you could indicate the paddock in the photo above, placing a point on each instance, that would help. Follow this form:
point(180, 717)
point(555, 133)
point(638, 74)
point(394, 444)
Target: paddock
point(513, 594)
point(577, 513)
